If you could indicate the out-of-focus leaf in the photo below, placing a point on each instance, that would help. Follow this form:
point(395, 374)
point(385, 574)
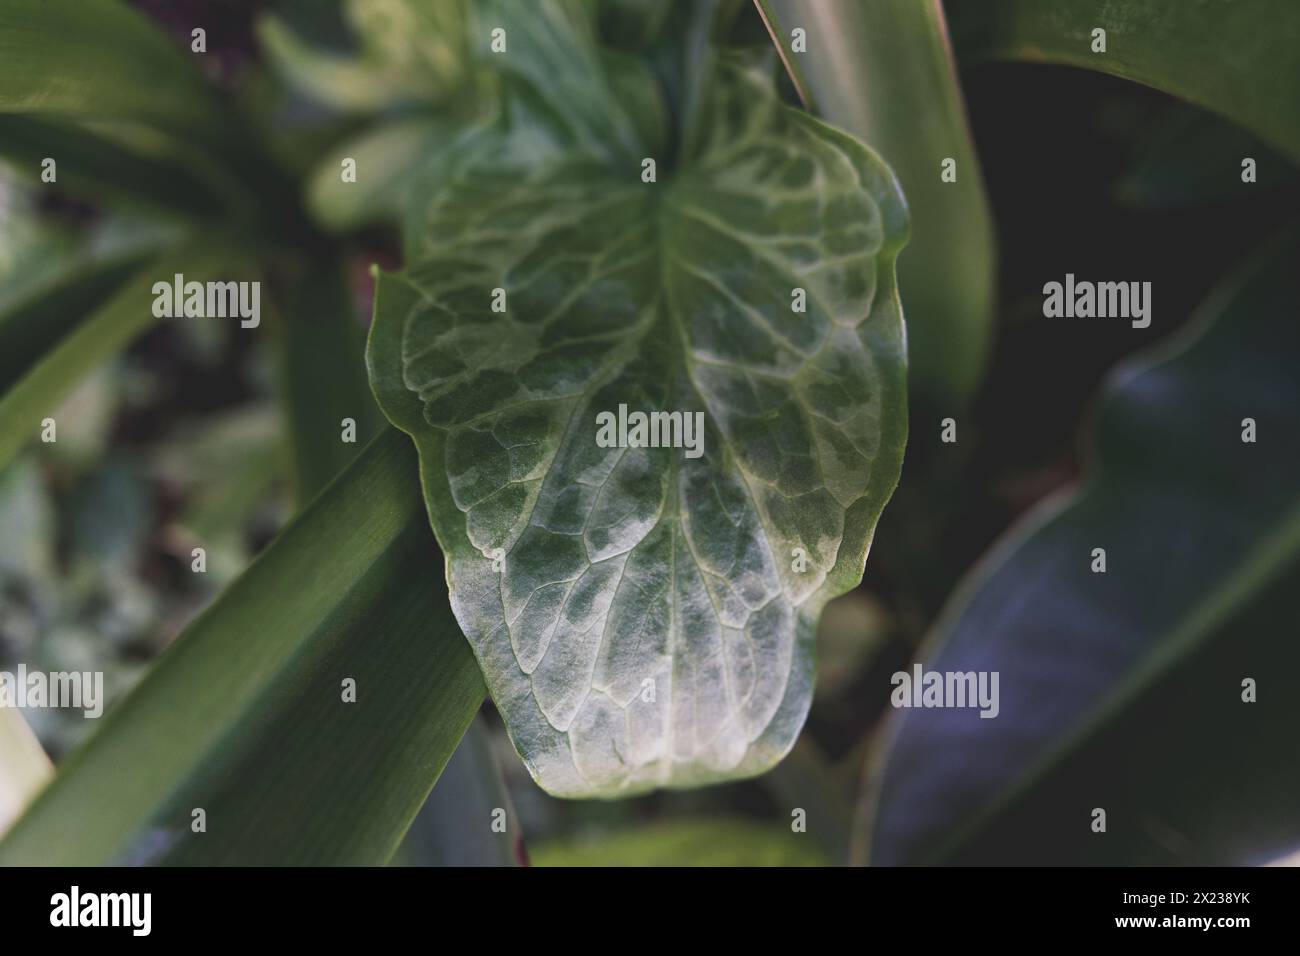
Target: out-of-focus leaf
point(1123, 690)
point(232, 464)
point(853, 630)
point(108, 515)
point(85, 416)
point(710, 842)
point(38, 253)
point(634, 24)
point(244, 715)
point(650, 569)
point(410, 50)
point(24, 768)
point(100, 169)
point(883, 71)
point(1238, 58)
point(100, 59)
point(35, 252)
point(31, 328)
point(386, 158)
point(34, 395)
point(1191, 157)
point(27, 526)
point(458, 825)
point(805, 784)
point(428, 47)
point(324, 377)
point(341, 80)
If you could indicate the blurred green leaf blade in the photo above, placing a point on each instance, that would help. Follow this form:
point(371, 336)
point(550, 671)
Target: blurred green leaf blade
point(1187, 158)
point(244, 716)
point(96, 168)
point(100, 59)
point(35, 394)
point(387, 159)
point(33, 326)
point(1238, 58)
point(409, 52)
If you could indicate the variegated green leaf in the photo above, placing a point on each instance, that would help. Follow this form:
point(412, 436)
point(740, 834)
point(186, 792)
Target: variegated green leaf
point(644, 617)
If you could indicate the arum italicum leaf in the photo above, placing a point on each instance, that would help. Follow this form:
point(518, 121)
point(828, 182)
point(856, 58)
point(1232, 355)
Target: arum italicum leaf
point(643, 617)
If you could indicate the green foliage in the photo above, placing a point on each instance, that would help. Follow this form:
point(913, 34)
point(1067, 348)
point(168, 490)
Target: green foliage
point(244, 716)
point(55, 56)
point(324, 377)
point(1238, 58)
point(407, 53)
point(96, 59)
point(32, 327)
point(1181, 162)
point(390, 154)
point(1118, 686)
point(93, 166)
point(468, 819)
point(523, 172)
point(708, 842)
point(582, 575)
point(108, 329)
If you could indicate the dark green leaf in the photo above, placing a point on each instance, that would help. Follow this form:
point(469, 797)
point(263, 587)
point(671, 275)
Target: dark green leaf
point(98, 60)
point(97, 168)
point(1190, 156)
point(633, 24)
point(1123, 690)
point(458, 824)
point(1239, 58)
point(323, 348)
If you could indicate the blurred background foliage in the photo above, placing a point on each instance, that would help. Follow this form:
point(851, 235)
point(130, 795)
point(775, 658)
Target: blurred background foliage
point(182, 438)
